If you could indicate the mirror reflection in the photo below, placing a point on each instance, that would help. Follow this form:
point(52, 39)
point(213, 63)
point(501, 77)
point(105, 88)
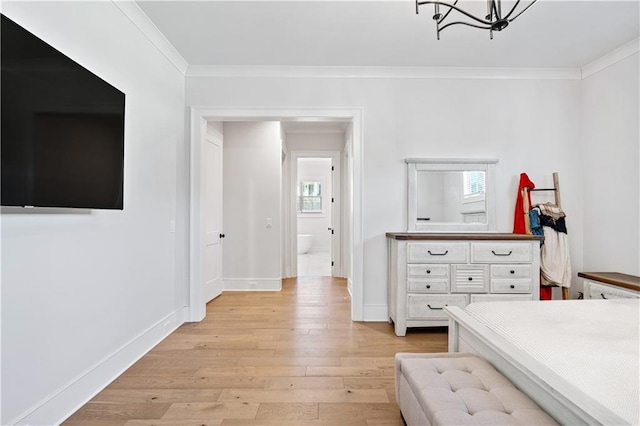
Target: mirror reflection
point(451, 196)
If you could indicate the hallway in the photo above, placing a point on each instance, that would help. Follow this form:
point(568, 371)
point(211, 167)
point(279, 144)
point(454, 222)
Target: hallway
point(292, 357)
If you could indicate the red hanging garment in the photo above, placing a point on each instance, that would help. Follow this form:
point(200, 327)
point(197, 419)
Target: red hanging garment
point(519, 225)
point(518, 219)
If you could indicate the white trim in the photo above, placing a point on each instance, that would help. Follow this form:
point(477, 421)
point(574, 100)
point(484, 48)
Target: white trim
point(64, 402)
point(384, 72)
point(198, 132)
point(252, 284)
point(376, 313)
point(199, 116)
point(132, 11)
point(611, 58)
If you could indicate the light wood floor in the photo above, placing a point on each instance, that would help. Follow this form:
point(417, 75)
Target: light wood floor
point(266, 358)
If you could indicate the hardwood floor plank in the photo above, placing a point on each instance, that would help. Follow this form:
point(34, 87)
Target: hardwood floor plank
point(287, 358)
point(338, 411)
point(93, 411)
point(288, 361)
point(287, 411)
point(215, 422)
point(141, 396)
point(305, 395)
point(250, 370)
point(211, 411)
point(304, 383)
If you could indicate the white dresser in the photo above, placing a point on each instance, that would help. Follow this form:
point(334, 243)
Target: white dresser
point(428, 271)
point(610, 285)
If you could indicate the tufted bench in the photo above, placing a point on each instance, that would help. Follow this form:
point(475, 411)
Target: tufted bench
point(460, 389)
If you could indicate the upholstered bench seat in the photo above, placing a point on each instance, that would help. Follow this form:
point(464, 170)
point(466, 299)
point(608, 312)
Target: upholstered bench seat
point(460, 389)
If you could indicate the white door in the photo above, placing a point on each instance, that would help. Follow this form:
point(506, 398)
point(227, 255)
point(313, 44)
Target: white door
point(212, 265)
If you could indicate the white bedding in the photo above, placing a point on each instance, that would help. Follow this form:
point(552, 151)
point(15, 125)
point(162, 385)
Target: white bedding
point(590, 347)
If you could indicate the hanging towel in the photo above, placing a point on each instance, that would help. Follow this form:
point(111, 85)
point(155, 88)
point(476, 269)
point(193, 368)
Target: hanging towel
point(555, 265)
point(518, 218)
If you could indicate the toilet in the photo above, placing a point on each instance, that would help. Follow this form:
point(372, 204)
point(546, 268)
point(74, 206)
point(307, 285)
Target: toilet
point(304, 243)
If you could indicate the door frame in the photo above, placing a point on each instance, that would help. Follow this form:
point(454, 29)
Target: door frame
point(336, 209)
point(199, 118)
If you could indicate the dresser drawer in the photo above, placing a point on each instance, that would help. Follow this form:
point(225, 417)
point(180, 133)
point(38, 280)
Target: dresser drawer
point(500, 253)
point(510, 271)
point(437, 252)
point(428, 271)
point(470, 279)
point(597, 291)
point(477, 298)
point(432, 306)
point(416, 285)
point(510, 286)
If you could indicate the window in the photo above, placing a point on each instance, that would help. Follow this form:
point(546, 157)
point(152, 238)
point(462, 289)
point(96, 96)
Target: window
point(473, 184)
point(309, 197)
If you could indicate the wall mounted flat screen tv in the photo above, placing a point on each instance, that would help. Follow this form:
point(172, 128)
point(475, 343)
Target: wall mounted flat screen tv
point(62, 128)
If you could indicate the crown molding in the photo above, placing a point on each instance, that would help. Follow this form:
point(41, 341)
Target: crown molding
point(613, 57)
point(385, 72)
point(132, 11)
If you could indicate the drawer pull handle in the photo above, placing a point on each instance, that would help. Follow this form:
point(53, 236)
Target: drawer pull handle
point(470, 278)
point(602, 295)
point(428, 285)
point(436, 309)
point(512, 271)
point(512, 286)
point(438, 254)
point(428, 271)
point(501, 254)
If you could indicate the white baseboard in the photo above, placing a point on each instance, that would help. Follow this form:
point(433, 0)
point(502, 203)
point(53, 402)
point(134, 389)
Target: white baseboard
point(251, 284)
point(68, 399)
point(375, 313)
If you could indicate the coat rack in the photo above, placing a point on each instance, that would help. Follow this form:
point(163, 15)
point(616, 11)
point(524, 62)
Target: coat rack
point(526, 207)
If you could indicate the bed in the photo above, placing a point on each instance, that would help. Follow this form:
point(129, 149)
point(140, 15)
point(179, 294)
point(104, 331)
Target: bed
point(578, 359)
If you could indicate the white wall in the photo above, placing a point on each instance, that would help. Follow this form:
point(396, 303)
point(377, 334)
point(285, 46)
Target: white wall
point(315, 141)
point(529, 125)
point(252, 193)
point(610, 146)
point(85, 292)
point(317, 224)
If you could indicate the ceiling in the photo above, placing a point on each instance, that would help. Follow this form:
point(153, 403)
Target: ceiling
point(551, 34)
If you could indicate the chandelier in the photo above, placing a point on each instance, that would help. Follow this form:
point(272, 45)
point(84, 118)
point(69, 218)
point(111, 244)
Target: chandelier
point(494, 20)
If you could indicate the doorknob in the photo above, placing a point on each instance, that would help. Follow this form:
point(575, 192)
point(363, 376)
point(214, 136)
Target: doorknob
point(330, 229)
point(221, 235)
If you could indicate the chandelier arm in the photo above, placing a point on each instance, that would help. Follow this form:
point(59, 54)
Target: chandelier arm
point(464, 23)
point(522, 11)
point(448, 12)
point(512, 10)
point(453, 6)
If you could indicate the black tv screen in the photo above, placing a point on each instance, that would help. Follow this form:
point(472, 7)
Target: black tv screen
point(62, 128)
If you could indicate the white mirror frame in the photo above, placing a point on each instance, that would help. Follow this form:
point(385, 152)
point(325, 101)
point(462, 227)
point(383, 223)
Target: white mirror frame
point(414, 165)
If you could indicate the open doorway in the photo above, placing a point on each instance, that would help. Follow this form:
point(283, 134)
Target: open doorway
point(314, 211)
point(352, 236)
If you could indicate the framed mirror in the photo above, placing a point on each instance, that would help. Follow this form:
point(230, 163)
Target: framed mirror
point(451, 195)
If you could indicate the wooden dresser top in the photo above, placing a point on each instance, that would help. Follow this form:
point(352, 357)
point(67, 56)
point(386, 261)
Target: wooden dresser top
point(613, 278)
point(461, 236)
